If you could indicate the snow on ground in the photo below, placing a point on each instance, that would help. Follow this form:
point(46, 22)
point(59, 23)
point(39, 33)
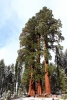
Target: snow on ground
point(32, 98)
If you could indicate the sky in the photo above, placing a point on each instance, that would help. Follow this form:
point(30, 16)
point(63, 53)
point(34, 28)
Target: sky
point(13, 16)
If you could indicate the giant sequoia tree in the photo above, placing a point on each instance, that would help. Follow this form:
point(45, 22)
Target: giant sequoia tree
point(38, 36)
point(27, 53)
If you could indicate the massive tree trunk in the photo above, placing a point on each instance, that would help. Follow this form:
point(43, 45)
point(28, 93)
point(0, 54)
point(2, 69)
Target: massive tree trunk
point(31, 85)
point(39, 87)
point(47, 79)
point(39, 90)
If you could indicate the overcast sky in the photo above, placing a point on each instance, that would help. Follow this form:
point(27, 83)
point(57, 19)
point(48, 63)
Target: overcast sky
point(13, 16)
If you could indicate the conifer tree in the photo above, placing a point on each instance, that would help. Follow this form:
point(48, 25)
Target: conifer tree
point(2, 76)
point(38, 36)
point(28, 45)
point(49, 28)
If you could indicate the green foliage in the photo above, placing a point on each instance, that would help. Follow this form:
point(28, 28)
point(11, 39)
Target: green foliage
point(62, 79)
point(51, 68)
point(26, 79)
point(37, 38)
point(26, 76)
point(55, 80)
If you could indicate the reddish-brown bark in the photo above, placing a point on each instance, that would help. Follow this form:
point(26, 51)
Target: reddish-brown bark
point(39, 87)
point(47, 79)
point(31, 85)
point(39, 90)
point(31, 88)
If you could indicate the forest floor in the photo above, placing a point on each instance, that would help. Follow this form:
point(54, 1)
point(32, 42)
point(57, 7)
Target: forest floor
point(39, 98)
point(53, 97)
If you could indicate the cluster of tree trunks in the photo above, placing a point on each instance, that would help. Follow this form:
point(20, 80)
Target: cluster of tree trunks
point(47, 79)
point(32, 91)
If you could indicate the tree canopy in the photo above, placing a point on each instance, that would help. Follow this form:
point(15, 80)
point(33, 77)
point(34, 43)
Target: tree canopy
point(41, 33)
